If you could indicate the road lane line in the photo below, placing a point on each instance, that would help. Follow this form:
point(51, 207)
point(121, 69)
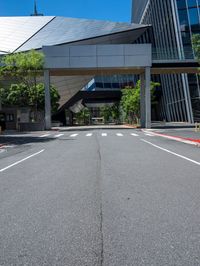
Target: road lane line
point(119, 134)
point(89, 135)
point(135, 135)
point(104, 134)
point(18, 162)
point(73, 135)
point(45, 135)
point(171, 152)
point(59, 135)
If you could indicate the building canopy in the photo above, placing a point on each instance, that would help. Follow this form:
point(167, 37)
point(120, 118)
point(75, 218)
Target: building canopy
point(18, 34)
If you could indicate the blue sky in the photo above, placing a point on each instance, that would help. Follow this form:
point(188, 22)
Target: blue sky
point(114, 10)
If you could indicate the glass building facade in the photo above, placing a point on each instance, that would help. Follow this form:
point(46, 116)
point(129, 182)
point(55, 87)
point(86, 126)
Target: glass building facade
point(173, 24)
point(111, 83)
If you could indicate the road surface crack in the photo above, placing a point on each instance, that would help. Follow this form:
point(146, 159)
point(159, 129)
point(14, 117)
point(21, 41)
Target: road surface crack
point(99, 180)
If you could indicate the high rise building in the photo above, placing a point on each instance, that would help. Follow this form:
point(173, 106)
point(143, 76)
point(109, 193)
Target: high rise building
point(173, 24)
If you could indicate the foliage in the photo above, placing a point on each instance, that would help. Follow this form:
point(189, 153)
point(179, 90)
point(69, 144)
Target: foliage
point(20, 95)
point(106, 113)
point(196, 45)
point(130, 101)
point(111, 113)
point(116, 112)
point(22, 67)
point(83, 117)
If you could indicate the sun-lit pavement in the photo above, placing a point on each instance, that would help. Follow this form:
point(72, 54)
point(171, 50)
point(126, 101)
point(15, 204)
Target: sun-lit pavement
point(188, 136)
point(99, 197)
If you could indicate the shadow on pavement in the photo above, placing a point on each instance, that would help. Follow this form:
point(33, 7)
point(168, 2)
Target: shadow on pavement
point(9, 140)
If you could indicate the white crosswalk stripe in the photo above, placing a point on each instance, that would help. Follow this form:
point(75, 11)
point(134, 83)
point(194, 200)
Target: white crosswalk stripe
point(134, 134)
point(148, 134)
point(58, 136)
point(45, 135)
point(73, 135)
point(104, 134)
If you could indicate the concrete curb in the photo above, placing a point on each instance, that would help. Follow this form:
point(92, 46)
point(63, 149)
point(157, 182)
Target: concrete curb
point(190, 141)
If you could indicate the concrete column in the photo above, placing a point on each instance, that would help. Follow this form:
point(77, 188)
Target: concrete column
point(47, 100)
point(148, 97)
point(142, 100)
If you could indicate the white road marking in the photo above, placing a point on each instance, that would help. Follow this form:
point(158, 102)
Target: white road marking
point(45, 135)
point(18, 162)
point(119, 134)
point(59, 135)
point(104, 134)
point(135, 135)
point(148, 134)
point(175, 138)
point(176, 154)
point(89, 135)
point(73, 135)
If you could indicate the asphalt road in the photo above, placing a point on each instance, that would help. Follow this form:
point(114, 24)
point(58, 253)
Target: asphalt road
point(99, 197)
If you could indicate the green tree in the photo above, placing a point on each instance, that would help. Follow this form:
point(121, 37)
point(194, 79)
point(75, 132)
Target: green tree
point(106, 113)
point(196, 45)
point(83, 117)
point(23, 67)
point(116, 112)
point(110, 112)
point(130, 101)
point(22, 96)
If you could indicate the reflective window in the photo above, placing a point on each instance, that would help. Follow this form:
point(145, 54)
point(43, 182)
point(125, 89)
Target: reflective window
point(194, 17)
point(191, 3)
point(181, 4)
point(183, 17)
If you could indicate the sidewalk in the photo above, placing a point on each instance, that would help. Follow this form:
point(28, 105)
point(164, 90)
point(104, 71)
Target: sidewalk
point(92, 127)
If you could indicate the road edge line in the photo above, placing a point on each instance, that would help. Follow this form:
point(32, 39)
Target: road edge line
point(179, 139)
point(171, 152)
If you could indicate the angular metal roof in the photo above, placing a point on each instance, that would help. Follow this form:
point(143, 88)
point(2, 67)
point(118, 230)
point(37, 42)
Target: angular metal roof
point(14, 31)
point(25, 33)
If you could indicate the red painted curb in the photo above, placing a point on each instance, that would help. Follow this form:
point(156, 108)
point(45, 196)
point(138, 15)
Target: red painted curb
point(177, 138)
point(194, 140)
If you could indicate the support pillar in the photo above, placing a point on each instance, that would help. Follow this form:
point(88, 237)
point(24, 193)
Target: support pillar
point(142, 100)
point(47, 100)
point(148, 97)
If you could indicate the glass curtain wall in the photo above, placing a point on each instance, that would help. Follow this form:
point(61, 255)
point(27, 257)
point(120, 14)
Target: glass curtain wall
point(189, 18)
point(114, 82)
point(173, 23)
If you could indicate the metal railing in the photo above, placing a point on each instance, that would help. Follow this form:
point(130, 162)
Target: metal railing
point(172, 53)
